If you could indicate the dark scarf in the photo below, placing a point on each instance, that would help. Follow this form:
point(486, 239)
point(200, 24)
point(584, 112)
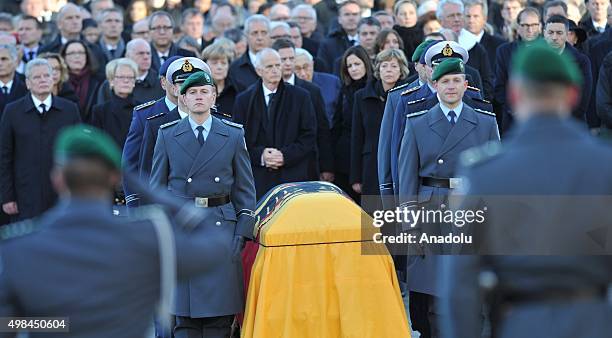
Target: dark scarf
point(80, 83)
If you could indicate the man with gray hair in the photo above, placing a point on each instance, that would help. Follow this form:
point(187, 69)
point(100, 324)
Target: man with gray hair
point(476, 12)
point(279, 125)
point(242, 70)
point(147, 83)
point(306, 17)
point(161, 27)
point(25, 155)
point(69, 24)
point(450, 14)
point(11, 85)
point(111, 23)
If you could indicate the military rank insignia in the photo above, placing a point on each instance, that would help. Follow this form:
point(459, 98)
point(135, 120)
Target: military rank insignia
point(447, 51)
point(187, 67)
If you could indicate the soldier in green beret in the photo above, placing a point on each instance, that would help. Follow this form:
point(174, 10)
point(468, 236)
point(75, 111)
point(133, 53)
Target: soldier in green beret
point(553, 157)
point(204, 162)
point(104, 275)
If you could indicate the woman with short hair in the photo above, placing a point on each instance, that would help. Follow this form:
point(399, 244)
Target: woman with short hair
point(219, 57)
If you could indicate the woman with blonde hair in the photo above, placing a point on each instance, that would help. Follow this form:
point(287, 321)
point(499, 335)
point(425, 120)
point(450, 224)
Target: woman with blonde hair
point(61, 87)
point(390, 70)
point(219, 56)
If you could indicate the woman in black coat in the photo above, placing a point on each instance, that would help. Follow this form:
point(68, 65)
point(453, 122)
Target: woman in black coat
point(355, 71)
point(412, 34)
point(219, 58)
point(390, 69)
point(83, 74)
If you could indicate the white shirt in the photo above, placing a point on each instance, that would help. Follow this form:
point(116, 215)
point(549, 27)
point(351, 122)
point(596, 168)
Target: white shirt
point(207, 124)
point(47, 102)
point(598, 27)
point(160, 55)
point(142, 78)
point(169, 104)
point(63, 40)
point(353, 37)
point(252, 58)
point(267, 93)
point(446, 110)
point(291, 80)
point(8, 86)
point(468, 39)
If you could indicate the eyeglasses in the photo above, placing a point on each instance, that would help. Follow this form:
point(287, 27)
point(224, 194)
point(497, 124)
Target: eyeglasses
point(303, 18)
point(276, 37)
point(529, 26)
point(75, 53)
point(125, 78)
point(162, 28)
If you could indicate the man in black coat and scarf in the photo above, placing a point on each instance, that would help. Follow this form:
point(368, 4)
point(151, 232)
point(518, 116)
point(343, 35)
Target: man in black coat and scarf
point(279, 123)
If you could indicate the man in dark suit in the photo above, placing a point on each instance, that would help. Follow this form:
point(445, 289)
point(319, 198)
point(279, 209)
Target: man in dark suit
point(595, 21)
point(513, 278)
point(111, 25)
point(529, 29)
point(161, 27)
point(29, 32)
point(329, 84)
point(475, 20)
point(11, 86)
point(345, 36)
point(28, 129)
point(323, 162)
point(280, 125)
point(555, 33)
point(242, 71)
point(306, 18)
point(204, 162)
point(61, 246)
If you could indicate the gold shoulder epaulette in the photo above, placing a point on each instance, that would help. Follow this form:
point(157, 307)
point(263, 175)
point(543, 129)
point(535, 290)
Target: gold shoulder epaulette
point(144, 105)
point(233, 124)
point(155, 116)
point(482, 111)
point(410, 90)
point(416, 113)
point(166, 125)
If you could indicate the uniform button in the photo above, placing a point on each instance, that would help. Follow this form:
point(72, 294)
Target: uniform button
point(218, 223)
point(189, 180)
point(443, 206)
point(440, 161)
point(217, 179)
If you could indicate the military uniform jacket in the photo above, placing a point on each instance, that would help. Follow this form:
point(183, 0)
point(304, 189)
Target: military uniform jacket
point(218, 168)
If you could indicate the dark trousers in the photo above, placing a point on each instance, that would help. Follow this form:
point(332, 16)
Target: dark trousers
point(423, 314)
point(209, 327)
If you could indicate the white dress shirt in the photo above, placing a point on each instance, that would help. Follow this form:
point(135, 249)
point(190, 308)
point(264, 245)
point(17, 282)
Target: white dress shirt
point(8, 86)
point(267, 93)
point(47, 102)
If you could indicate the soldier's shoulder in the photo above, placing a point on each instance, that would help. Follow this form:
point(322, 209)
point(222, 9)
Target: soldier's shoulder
point(153, 117)
point(482, 154)
point(399, 87)
point(415, 114)
point(410, 90)
point(232, 124)
point(221, 115)
point(17, 230)
point(485, 112)
point(144, 105)
point(474, 89)
point(416, 101)
point(169, 124)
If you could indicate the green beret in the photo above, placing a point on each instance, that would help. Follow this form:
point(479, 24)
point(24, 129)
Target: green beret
point(448, 66)
point(87, 141)
point(197, 79)
point(540, 62)
point(420, 49)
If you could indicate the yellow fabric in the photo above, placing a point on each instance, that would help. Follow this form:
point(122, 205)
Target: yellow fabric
point(300, 289)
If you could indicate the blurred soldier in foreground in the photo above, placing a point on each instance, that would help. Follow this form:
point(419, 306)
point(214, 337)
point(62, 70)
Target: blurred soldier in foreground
point(79, 261)
point(534, 296)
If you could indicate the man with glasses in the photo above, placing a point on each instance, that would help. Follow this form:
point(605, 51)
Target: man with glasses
point(529, 29)
point(257, 31)
point(28, 129)
point(345, 36)
point(140, 30)
point(161, 27)
point(306, 17)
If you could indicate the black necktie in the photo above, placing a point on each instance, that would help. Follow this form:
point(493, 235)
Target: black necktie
point(43, 108)
point(269, 105)
point(112, 53)
point(5, 90)
point(352, 42)
point(452, 116)
point(200, 135)
point(163, 59)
